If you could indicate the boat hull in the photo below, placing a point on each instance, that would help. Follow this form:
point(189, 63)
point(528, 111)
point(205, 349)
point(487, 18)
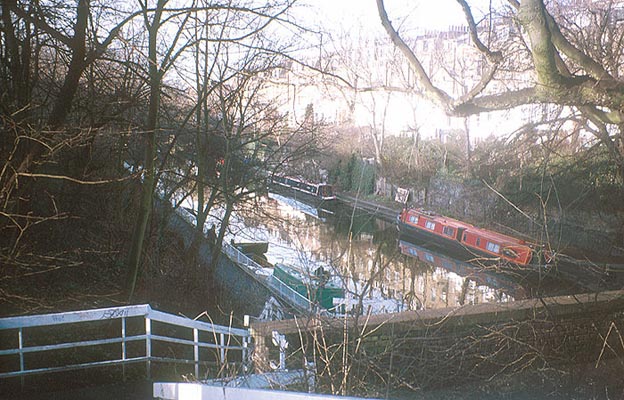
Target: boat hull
point(449, 246)
point(304, 197)
point(315, 194)
point(454, 247)
point(257, 248)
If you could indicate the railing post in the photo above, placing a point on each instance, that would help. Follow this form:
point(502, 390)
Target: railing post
point(148, 345)
point(245, 356)
point(123, 348)
point(20, 343)
point(196, 351)
point(222, 348)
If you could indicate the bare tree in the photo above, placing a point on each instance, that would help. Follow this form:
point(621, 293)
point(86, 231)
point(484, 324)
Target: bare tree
point(558, 59)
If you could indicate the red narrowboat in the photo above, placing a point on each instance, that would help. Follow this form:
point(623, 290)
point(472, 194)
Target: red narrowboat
point(468, 237)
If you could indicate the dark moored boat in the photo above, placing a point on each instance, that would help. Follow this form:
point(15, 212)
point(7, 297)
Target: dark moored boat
point(319, 194)
point(316, 287)
point(257, 248)
point(469, 239)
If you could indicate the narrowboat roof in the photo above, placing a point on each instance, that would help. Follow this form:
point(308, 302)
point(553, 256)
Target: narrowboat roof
point(442, 219)
point(484, 233)
point(301, 180)
point(497, 237)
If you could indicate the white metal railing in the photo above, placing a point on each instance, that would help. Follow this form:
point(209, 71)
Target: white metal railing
point(240, 258)
point(221, 339)
point(288, 294)
point(291, 295)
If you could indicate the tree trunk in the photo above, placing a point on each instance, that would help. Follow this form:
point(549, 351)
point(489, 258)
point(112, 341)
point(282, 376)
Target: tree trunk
point(216, 250)
point(145, 207)
point(18, 84)
point(77, 66)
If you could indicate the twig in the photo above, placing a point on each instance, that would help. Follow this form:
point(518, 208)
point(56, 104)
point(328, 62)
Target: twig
point(511, 204)
point(68, 178)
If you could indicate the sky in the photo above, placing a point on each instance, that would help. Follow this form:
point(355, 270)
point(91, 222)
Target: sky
point(360, 18)
point(343, 14)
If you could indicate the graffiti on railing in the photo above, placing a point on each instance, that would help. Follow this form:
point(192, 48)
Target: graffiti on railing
point(113, 314)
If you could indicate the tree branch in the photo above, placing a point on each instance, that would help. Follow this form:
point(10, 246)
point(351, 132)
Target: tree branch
point(432, 92)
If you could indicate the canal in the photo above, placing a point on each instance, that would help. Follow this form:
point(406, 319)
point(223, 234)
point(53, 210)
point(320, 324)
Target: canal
point(384, 273)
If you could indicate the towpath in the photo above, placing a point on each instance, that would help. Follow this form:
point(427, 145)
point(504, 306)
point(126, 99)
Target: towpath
point(384, 211)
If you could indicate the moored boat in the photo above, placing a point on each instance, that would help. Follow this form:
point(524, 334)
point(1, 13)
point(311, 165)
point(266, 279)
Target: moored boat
point(256, 248)
point(320, 194)
point(470, 239)
point(316, 287)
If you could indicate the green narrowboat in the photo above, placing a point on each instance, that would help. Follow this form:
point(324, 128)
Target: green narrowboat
point(317, 287)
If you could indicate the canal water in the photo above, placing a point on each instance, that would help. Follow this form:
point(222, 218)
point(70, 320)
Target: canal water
point(382, 272)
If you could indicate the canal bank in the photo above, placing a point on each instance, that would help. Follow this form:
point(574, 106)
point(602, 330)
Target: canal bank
point(595, 228)
point(387, 212)
point(238, 294)
point(572, 263)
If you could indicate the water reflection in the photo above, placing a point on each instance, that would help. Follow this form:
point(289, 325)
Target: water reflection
point(380, 272)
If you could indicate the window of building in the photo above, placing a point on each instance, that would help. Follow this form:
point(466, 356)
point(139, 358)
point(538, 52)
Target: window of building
point(493, 247)
point(448, 231)
point(430, 225)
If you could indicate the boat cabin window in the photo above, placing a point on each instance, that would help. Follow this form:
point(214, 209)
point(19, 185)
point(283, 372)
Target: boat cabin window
point(493, 247)
point(448, 231)
point(413, 219)
point(478, 241)
point(430, 225)
point(511, 253)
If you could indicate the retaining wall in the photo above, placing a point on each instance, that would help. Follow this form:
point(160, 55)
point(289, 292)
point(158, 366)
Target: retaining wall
point(438, 347)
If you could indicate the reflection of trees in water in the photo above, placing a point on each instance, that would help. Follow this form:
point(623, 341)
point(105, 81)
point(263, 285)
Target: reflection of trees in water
point(364, 252)
point(416, 269)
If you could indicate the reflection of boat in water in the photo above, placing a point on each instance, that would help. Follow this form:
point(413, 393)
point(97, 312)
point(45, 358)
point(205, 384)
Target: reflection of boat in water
point(318, 194)
point(316, 287)
point(469, 239)
point(477, 274)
